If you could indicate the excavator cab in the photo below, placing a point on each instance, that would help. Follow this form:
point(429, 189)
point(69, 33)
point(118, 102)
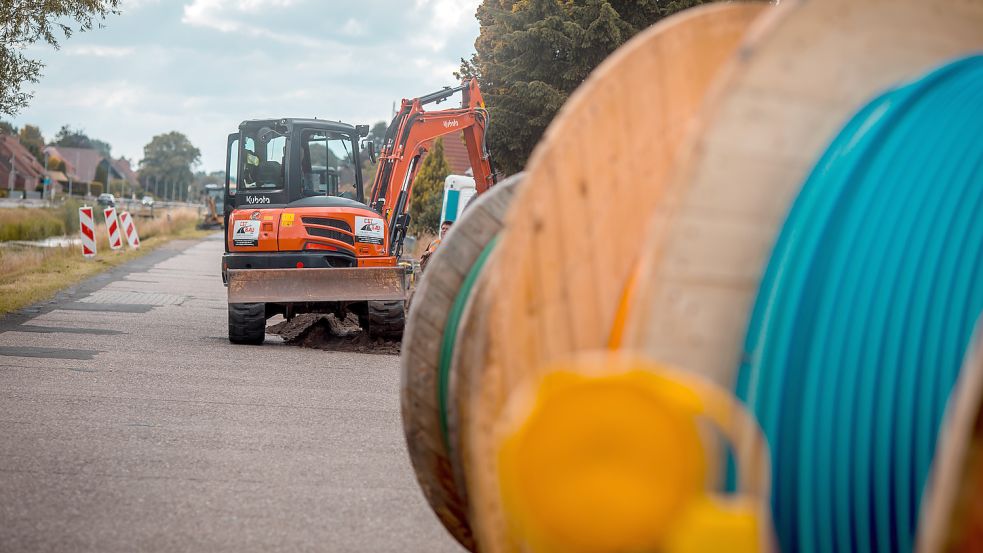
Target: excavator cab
point(278, 162)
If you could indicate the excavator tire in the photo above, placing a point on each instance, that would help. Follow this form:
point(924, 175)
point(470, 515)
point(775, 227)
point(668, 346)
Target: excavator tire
point(385, 319)
point(247, 323)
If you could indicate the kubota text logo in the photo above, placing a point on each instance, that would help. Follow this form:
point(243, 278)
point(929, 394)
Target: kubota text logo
point(451, 123)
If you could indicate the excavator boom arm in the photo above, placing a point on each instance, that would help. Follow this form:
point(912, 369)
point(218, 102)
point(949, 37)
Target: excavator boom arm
point(415, 131)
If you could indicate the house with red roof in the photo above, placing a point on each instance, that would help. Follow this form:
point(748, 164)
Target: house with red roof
point(83, 164)
point(456, 154)
point(123, 167)
point(19, 171)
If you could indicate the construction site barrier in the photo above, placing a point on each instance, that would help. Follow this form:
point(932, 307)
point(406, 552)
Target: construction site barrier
point(112, 228)
point(129, 230)
point(87, 231)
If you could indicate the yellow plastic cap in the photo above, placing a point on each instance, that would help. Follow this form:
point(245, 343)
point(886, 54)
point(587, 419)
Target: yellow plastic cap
point(600, 460)
point(711, 524)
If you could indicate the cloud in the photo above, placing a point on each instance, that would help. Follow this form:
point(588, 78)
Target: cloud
point(353, 27)
point(448, 14)
point(237, 16)
point(202, 66)
point(99, 51)
point(442, 17)
point(222, 14)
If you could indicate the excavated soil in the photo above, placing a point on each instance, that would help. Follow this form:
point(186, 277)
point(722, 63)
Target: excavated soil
point(325, 331)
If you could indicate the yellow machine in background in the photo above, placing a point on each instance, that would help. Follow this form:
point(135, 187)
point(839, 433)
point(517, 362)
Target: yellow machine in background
point(214, 208)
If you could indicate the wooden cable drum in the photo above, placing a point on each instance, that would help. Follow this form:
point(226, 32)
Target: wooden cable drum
point(469, 380)
point(573, 234)
point(824, 74)
point(426, 357)
point(952, 515)
point(793, 87)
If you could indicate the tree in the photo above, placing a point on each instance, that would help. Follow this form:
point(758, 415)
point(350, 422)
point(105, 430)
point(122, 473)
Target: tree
point(72, 138)
point(378, 134)
point(28, 21)
point(531, 54)
point(7, 128)
point(168, 160)
point(428, 190)
point(215, 177)
point(31, 139)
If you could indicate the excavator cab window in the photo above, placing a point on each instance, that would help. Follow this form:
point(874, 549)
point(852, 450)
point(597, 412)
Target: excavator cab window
point(327, 165)
point(263, 158)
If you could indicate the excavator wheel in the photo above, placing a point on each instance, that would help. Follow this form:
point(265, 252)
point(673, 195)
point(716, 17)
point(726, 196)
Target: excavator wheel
point(247, 323)
point(385, 319)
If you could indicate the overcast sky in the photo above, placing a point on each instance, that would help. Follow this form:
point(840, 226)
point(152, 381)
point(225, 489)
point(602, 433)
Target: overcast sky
point(202, 66)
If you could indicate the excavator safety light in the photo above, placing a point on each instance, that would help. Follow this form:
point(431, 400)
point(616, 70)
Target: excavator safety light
point(300, 264)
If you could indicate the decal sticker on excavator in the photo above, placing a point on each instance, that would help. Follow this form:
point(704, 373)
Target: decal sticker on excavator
point(286, 220)
point(369, 230)
point(246, 233)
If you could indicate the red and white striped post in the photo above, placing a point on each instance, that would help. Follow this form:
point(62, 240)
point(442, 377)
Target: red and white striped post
point(129, 229)
point(87, 226)
point(112, 228)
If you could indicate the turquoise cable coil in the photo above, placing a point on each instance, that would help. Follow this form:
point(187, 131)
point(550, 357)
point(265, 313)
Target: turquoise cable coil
point(864, 314)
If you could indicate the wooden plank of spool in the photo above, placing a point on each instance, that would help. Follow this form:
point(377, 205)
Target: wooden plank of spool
point(951, 512)
point(799, 79)
point(472, 384)
point(420, 359)
point(572, 236)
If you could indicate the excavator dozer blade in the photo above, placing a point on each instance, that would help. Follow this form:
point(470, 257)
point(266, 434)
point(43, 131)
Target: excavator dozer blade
point(316, 285)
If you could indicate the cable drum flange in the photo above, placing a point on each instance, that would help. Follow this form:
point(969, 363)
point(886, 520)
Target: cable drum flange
point(425, 363)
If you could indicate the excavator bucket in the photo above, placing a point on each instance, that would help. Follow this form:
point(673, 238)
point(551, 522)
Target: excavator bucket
point(316, 285)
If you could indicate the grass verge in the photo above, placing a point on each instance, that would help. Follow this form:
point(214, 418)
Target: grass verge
point(32, 275)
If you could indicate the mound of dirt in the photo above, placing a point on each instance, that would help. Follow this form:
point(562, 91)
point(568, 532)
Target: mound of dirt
point(325, 331)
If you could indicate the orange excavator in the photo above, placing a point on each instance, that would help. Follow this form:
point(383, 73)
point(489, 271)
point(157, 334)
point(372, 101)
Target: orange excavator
point(302, 236)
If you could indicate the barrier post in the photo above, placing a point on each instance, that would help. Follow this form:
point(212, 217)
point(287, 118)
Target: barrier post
point(87, 231)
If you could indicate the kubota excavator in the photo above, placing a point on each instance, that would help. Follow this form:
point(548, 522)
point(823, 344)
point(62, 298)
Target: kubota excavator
point(302, 236)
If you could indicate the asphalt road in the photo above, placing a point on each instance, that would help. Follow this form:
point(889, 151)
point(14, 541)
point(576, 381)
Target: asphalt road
point(129, 423)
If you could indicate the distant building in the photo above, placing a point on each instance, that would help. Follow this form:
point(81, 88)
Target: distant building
point(83, 164)
point(19, 171)
point(132, 178)
point(456, 154)
point(85, 161)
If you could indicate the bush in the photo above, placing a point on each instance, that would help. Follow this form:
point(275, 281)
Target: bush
point(29, 224)
point(96, 188)
point(428, 190)
point(171, 223)
point(69, 213)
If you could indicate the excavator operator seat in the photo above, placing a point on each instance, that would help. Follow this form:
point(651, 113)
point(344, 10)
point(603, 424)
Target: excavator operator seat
point(270, 174)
